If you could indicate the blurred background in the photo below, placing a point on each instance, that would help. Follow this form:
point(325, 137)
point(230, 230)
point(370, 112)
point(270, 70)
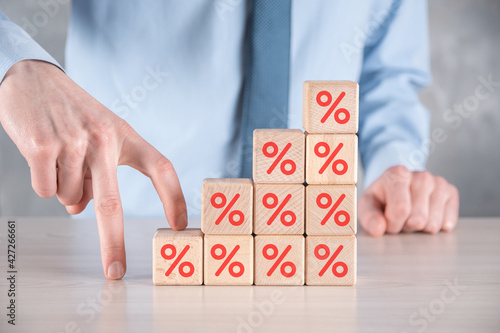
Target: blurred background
point(465, 48)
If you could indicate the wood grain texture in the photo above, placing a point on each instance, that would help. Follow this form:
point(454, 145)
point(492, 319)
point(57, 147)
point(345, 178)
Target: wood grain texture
point(313, 113)
point(61, 272)
point(224, 191)
point(266, 169)
point(317, 144)
point(242, 248)
point(270, 271)
point(168, 245)
point(321, 199)
point(326, 247)
point(276, 207)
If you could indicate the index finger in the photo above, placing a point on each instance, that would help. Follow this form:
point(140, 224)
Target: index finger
point(397, 198)
point(371, 214)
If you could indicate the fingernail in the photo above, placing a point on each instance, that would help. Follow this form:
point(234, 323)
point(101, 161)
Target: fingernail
point(116, 270)
point(182, 221)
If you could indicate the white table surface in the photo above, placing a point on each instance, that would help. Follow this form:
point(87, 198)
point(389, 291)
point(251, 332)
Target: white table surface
point(61, 287)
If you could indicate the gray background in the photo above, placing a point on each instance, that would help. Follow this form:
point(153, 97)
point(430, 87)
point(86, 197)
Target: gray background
point(465, 44)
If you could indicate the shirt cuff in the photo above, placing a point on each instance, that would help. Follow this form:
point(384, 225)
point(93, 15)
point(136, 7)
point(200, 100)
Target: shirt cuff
point(392, 154)
point(17, 45)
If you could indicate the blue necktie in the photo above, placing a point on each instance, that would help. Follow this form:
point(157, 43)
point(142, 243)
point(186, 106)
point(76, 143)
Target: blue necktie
point(267, 61)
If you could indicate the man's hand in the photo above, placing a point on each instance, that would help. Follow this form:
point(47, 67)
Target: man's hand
point(401, 200)
point(73, 145)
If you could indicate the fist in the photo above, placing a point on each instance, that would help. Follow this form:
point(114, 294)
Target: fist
point(401, 200)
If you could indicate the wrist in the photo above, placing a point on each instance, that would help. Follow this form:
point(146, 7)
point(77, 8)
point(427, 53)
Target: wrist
point(23, 67)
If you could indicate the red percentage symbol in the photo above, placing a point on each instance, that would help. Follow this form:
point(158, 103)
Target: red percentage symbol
point(328, 204)
point(173, 253)
point(222, 255)
point(324, 256)
point(232, 214)
point(273, 153)
point(273, 256)
point(328, 113)
point(273, 204)
point(325, 153)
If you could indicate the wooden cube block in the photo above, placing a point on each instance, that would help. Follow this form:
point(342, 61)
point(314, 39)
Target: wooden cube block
point(228, 260)
point(279, 209)
point(178, 257)
point(330, 106)
point(278, 156)
point(331, 210)
point(331, 158)
point(331, 260)
point(279, 260)
point(227, 206)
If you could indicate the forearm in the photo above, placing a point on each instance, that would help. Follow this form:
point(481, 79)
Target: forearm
point(396, 132)
point(394, 126)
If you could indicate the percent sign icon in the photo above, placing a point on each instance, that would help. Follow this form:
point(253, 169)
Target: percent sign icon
point(325, 256)
point(322, 150)
point(227, 260)
point(223, 200)
point(284, 163)
point(328, 204)
point(182, 266)
point(328, 113)
point(274, 202)
point(275, 252)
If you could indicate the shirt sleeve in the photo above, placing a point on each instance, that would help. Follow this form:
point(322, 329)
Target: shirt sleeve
point(394, 125)
point(17, 45)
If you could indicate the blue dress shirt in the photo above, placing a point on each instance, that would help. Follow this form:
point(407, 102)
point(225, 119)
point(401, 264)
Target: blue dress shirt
point(174, 71)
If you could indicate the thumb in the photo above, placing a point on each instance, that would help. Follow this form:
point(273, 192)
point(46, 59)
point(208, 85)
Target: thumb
point(371, 214)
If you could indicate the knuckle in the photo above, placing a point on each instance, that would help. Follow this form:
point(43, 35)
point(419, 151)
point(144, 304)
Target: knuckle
point(417, 222)
point(440, 182)
point(163, 165)
point(78, 147)
point(109, 205)
point(124, 128)
point(428, 179)
point(72, 158)
point(367, 202)
point(102, 138)
point(180, 202)
point(432, 227)
point(362, 202)
point(102, 135)
point(112, 250)
point(423, 179)
point(393, 228)
point(400, 209)
point(400, 171)
point(398, 176)
point(44, 149)
point(43, 142)
point(107, 133)
point(44, 192)
point(69, 199)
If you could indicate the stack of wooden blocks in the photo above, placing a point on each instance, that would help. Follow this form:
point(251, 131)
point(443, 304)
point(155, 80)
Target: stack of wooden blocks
point(295, 224)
